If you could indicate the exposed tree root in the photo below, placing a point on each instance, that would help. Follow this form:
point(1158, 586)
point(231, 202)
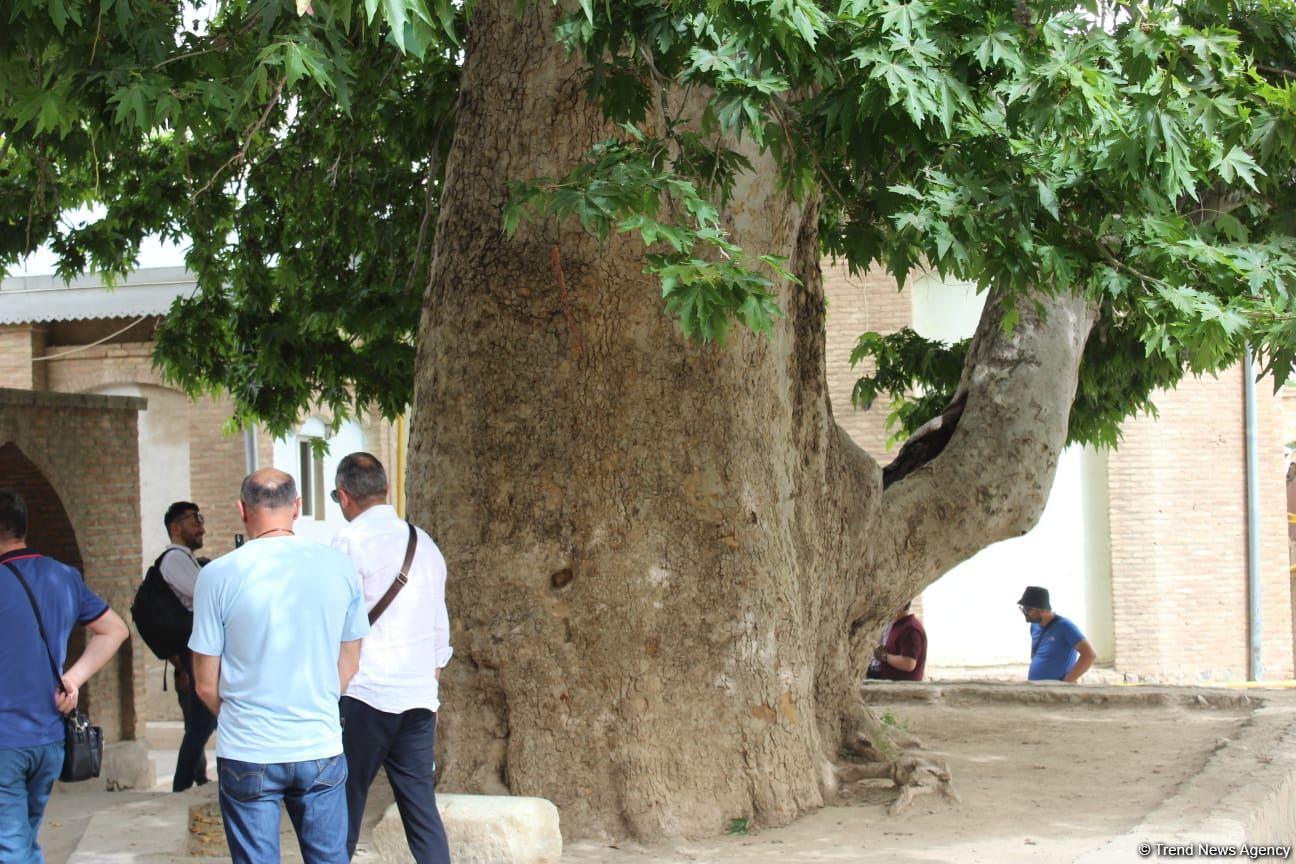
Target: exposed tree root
point(873, 743)
point(914, 775)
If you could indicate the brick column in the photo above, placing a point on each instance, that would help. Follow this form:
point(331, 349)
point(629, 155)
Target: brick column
point(20, 344)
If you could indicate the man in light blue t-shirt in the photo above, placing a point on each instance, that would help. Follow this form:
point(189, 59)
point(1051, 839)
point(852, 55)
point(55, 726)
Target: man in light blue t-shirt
point(276, 639)
point(1059, 651)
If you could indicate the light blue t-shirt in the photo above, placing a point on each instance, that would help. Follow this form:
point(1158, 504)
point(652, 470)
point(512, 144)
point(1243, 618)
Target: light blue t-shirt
point(276, 611)
point(1054, 649)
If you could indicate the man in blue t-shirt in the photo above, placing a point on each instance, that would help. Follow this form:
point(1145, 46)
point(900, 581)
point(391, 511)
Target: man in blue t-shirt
point(31, 704)
point(1059, 651)
point(276, 639)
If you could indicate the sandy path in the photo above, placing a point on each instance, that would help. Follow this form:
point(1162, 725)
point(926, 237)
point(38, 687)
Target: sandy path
point(1044, 782)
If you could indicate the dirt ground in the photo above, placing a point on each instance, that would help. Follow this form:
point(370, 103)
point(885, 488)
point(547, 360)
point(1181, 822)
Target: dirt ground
point(1040, 780)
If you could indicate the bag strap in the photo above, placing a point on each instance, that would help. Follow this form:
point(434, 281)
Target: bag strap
point(157, 562)
point(1035, 646)
point(399, 582)
point(40, 625)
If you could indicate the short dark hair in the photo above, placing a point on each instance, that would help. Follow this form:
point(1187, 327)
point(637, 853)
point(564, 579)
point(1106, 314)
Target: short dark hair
point(361, 476)
point(176, 512)
point(13, 515)
point(271, 490)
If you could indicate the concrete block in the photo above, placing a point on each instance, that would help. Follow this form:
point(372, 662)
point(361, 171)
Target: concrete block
point(482, 829)
point(126, 765)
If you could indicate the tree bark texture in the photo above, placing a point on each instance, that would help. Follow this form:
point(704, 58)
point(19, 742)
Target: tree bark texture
point(667, 563)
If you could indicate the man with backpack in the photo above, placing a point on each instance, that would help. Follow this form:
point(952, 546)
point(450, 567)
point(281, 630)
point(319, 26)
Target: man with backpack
point(166, 626)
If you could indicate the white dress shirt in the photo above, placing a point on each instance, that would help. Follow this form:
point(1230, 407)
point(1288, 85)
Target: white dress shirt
point(180, 572)
point(400, 657)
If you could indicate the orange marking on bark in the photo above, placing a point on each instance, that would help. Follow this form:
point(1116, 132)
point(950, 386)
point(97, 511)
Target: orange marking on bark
point(556, 257)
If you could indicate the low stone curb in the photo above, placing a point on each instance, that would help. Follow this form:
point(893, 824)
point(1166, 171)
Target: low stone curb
point(1057, 693)
point(482, 829)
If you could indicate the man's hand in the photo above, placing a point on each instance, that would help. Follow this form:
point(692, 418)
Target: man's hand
point(880, 653)
point(66, 701)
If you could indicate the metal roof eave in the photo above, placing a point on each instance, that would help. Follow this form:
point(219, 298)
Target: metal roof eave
point(41, 299)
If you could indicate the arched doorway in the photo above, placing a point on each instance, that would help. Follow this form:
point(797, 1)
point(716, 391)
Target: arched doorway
point(49, 530)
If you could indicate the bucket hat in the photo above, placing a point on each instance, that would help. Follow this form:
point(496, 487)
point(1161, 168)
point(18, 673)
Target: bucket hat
point(1035, 597)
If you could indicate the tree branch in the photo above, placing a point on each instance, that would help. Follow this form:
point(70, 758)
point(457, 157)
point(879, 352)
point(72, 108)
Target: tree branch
point(993, 478)
point(247, 138)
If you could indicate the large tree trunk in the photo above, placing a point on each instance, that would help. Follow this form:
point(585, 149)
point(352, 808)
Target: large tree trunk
point(666, 563)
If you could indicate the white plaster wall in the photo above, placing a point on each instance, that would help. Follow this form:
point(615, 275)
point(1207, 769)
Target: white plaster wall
point(164, 458)
point(971, 613)
point(349, 438)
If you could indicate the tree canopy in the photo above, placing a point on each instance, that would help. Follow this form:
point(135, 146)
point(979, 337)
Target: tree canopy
point(1139, 153)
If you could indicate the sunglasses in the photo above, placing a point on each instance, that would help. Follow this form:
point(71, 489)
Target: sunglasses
point(334, 496)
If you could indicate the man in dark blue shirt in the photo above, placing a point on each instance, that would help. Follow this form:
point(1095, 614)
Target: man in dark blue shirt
point(1059, 651)
point(31, 706)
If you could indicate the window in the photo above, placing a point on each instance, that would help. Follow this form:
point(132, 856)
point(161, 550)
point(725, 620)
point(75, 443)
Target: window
point(310, 468)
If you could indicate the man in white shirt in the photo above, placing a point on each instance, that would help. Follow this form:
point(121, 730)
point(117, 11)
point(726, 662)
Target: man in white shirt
point(389, 710)
point(185, 526)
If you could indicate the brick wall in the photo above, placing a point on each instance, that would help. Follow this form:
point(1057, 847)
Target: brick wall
point(100, 366)
point(74, 458)
point(856, 305)
point(18, 345)
point(217, 466)
point(217, 462)
point(1177, 507)
point(1178, 519)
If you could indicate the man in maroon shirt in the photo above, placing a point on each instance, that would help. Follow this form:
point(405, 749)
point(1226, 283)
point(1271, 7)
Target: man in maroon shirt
point(903, 654)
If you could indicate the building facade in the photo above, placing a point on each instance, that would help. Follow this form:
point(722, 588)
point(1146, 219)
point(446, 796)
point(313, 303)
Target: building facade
point(81, 337)
point(74, 459)
point(1144, 546)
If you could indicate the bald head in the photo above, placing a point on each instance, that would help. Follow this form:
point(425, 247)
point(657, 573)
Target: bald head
point(268, 489)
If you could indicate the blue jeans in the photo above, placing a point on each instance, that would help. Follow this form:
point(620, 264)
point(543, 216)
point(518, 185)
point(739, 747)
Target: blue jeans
point(401, 743)
point(27, 775)
point(314, 794)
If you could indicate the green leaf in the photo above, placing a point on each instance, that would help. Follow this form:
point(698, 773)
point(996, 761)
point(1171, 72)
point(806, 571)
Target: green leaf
point(1237, 164)
point(1047, 198)
point(395, 13)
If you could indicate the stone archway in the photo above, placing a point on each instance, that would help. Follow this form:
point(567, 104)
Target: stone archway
point(75, 459)
point(51, 530)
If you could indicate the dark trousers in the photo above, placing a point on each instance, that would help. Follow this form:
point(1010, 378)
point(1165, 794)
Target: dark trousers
point(401, 743)
point(199, 724)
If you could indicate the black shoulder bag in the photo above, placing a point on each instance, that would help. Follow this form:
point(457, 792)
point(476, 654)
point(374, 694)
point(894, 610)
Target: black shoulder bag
point(82, 743)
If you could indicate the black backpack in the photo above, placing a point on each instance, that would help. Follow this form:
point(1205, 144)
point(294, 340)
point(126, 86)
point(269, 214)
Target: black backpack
point(161, 619)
